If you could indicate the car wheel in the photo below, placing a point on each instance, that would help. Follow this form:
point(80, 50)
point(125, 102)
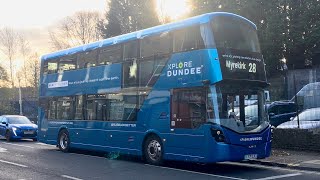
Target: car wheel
point(153, 150)
point(34, 139)
point(64, 141)
point(8, 138)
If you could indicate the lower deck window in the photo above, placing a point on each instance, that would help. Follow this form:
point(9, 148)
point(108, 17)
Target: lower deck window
point(64, 108)
point(100, 107)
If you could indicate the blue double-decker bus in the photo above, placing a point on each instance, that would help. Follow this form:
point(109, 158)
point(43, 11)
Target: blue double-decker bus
point(171, 92)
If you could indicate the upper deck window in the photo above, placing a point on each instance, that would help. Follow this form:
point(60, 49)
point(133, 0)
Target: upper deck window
point(68, 63)
point(156, 45)
point(188, 39)
point(50, 67)
point(87, 59)
point(235, 33)
point(110, 55)
point(130, 50)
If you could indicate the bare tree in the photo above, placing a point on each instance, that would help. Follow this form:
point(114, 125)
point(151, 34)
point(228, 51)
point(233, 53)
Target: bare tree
point(25, 52)
point(33, 67)
point(80, 28)
point(9, 43)
point(31, 72)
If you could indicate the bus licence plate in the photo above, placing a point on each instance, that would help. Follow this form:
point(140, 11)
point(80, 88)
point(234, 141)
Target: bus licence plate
point(28, 132)
point(250, 156)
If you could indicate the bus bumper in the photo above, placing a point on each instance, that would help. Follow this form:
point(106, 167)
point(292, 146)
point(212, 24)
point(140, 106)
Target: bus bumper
point(228, 152)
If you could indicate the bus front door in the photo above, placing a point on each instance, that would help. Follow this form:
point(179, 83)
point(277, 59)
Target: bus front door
point(188, 110)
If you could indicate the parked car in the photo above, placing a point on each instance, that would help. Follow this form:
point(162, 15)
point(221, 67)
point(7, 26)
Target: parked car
point(308, 119)
point(278, 111)
point(14, 127)
point(281, 111)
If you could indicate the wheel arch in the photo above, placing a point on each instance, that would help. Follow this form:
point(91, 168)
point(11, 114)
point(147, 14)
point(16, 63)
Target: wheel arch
point(61, 129)
point(148, 134)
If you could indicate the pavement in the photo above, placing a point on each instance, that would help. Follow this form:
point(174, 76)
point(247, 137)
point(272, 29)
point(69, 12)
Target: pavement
point(295, 159)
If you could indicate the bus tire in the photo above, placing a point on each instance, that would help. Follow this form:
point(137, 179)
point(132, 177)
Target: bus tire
point(64, 141)
point(153, 150)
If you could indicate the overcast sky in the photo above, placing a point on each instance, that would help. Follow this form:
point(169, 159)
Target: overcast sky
point(41, 13)
point(33, 17)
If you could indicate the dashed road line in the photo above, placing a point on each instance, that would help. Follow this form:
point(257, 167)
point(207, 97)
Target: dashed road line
point(12, 163)
point(3, 150)
point(194, 172)
point(272, 167)
point(280, 176)
point(70, 177)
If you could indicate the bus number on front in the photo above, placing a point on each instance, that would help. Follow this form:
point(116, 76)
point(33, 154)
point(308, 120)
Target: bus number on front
point(252, 67)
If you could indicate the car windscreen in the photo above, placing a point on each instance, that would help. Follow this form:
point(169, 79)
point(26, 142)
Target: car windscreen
point(18, 120)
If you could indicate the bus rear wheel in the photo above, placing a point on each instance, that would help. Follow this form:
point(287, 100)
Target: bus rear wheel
point(64, 141)
point(153, 150)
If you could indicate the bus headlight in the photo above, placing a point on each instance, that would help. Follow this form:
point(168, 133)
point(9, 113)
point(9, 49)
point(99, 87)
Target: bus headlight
point(218, 135)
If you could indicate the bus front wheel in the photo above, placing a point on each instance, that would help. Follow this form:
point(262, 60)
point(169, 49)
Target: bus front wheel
point(64, 141)
point(153, 150)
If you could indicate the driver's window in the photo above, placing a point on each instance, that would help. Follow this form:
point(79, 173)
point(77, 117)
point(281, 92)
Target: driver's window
point(230, 106)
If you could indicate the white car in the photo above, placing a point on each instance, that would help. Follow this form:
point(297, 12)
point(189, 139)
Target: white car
point(308, 119)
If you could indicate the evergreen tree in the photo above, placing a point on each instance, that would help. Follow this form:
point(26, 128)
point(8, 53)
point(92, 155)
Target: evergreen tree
point(268, 17)
point(286, 29)
point(303, 33)
point(125, 16)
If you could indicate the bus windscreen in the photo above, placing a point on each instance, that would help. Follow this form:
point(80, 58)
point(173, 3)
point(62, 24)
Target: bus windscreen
point(235, 34)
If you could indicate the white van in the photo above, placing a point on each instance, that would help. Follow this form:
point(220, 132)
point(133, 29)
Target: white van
point(309, 96)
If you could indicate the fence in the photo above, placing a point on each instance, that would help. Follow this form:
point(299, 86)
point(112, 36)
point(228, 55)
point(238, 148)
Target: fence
point(301, 125)
point(9, 102)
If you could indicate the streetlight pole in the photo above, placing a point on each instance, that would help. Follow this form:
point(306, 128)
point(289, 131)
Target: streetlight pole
point(284, 69)
point(20, 98)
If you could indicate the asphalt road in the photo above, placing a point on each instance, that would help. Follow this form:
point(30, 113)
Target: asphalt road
point(25, 160)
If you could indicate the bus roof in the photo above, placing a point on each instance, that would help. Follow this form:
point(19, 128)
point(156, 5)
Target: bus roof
point(201, 19)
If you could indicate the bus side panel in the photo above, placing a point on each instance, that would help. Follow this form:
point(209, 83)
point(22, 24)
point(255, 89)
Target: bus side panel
point(54, 128)
point(182, 70)
point(155, 114)
point(42, 126)
point(88, 133)
point(116, 137)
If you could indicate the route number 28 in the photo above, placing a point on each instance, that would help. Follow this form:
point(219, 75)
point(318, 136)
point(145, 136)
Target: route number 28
point(252, 67)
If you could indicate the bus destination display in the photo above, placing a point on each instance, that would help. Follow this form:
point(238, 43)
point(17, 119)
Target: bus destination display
point(244, 65)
